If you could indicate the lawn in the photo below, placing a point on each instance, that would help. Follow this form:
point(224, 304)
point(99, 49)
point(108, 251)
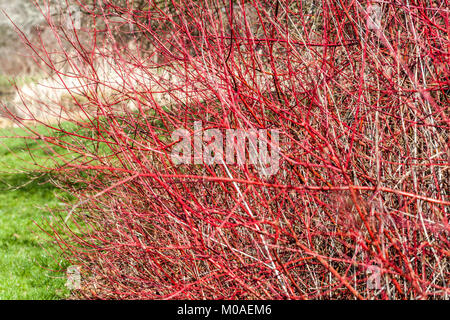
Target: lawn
point(29, 265)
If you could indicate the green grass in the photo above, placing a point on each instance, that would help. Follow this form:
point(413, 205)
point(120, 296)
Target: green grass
point(27, 257)
point(30, 267)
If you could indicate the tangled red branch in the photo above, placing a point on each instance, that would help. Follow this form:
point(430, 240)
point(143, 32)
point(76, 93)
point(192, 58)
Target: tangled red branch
point(359, 91)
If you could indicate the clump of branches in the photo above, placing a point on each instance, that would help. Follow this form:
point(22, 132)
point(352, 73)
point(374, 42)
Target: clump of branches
point(359, 91)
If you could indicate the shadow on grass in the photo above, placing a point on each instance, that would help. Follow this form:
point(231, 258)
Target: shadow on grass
point(26, 183)
point(24, 146)
point(27, 255)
